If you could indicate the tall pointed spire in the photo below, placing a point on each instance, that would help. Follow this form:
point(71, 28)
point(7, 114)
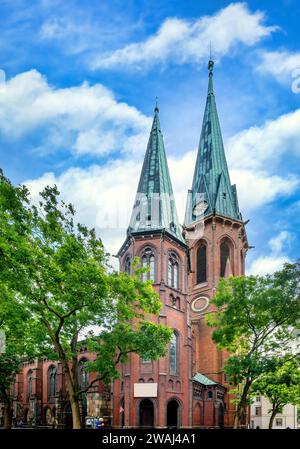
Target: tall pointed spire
point(154, 208)
point(211, 190)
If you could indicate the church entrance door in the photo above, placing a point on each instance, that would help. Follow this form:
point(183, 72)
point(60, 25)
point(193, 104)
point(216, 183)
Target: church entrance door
point(173, 413)
point(146, 413)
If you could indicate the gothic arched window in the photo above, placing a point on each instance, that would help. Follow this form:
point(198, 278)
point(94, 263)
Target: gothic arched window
point(83, 374)
point(127, 265)
point(52, 381)
point(224, 256)
point(148, 260)
point(201, 264)
point(29, 383)
point(152, 267)
point(173, 354)
point(173, 271)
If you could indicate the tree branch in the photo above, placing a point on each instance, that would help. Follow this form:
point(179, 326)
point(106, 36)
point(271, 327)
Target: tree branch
point(99, 378)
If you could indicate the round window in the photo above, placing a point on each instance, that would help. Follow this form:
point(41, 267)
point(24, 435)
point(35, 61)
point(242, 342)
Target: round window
point(200, 304)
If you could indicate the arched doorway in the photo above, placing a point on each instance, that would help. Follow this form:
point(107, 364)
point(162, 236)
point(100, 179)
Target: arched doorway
point(173, 413)
point(197, 415)
point(221, 415)
point(146, 413)
point(26, 415)
point(68, 416)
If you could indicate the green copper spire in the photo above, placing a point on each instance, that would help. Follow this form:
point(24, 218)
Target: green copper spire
point(154, 208)
point(211, 190)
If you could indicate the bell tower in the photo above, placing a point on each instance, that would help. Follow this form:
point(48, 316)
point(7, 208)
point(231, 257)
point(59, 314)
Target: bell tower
point(158, 393)
point(215, 233)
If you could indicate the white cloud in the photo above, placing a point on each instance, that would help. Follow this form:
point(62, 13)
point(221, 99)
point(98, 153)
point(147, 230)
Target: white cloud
point(256, 188)
point(102, 196)
point(277, 243)
point(85, 119)
point(181, 173)
point(267, 265)
point(276, 259)
point(254, 157)
point(182, 41)
point(257, 145)
point(74, 31)
point(281, 64)
point(81, 30)
point(54, 28)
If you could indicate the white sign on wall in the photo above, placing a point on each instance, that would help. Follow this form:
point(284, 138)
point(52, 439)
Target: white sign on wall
point(145, 390)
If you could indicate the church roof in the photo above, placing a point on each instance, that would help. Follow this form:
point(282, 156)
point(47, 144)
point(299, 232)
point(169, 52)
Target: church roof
point(198, 377)
point(154, 208)
point(211, 182)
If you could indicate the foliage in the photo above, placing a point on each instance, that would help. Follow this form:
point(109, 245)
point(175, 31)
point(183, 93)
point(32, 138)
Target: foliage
point(58, 272)
point(16, 323)
point(254, 320)
point(281, 386)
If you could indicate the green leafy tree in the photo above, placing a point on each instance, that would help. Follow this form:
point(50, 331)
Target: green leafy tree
point(16, 325)
point(252, 320)
point(70, 288)
point(281, 387)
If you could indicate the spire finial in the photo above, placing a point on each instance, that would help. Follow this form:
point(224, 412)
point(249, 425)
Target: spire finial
point(210, 62)
point(156, 104)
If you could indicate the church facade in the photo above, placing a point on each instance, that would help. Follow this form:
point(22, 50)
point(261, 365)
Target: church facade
point(188, 387)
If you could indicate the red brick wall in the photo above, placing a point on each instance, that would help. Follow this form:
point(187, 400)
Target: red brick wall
point(158, 371)
point(40, 385)
point(207, 359)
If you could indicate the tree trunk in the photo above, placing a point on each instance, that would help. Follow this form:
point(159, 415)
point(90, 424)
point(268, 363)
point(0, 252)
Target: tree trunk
point(7, 416)
point(75, 412)
point(6, 410)
point(71, 376)
point(74, 400)
point(238, 415)
point(274, 413)
point(236, 421)
point(242, 406)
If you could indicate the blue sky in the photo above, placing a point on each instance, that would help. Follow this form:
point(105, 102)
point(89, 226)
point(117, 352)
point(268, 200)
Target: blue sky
point(80, 85)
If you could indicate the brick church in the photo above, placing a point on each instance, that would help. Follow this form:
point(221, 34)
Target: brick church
point(188, 387)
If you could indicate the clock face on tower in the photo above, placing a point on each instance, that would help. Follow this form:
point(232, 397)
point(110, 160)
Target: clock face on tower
point(200, 208)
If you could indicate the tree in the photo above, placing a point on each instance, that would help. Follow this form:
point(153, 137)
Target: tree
point(281, 387)
point(15, 324)
point(252, 320)
point(71, 288)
